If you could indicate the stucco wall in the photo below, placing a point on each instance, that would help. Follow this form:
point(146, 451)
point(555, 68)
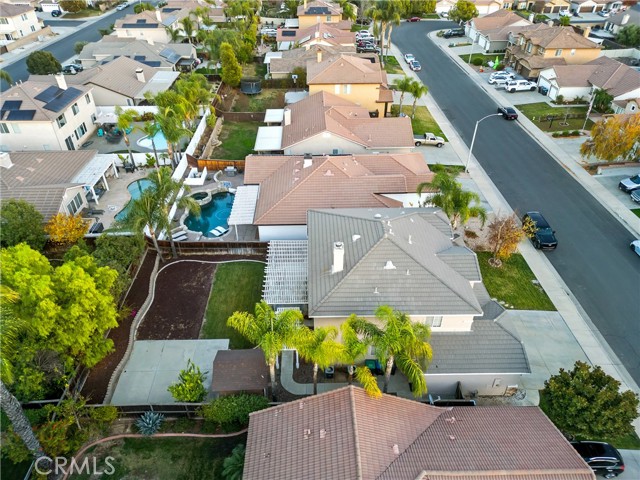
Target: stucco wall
point(484, 383)
point(580, 57)
point(282, 232)
point(104, 97)
point(309, 20)
point(364, 95)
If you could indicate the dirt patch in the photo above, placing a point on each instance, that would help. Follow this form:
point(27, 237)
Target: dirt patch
point(177, 311)
point(304, 374)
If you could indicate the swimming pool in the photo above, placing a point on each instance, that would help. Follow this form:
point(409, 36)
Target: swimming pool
point(158, 139)
point(135, 189)
point(213, 214)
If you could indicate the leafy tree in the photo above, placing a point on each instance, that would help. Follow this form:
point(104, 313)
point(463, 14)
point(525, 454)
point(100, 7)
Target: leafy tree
point(231, 69)
point(78, 46)
point(66, 311)
point(233, 410)
point(190, 388)
point(118, 251)
point(587, 403)
point(320, 347)
point(417, 90)
point(268, 331)
point(233, 465)
point(291, 7)
point(455, 202)
point(42, 62)
point(65, 229)
point(463, 11)
point(602, 101)
point(301, 72)
point(629, 36)
point(565, 21)
point(144, 6)
point(399, 341)
point(505, 233)
point(403, 85)
point(615, 137)
point(21, 222)
point(72, 6)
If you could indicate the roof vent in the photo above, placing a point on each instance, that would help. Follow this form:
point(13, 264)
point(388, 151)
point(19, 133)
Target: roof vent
point(355, 238)
point(450, 420)
point(396, 449)
point(5, 160)
point(389, 265)
point(307, 433)
point(377, 215)
point(451, 437)
point(328, 173)
point(411, 220)
point(375, 291)
point(391, 232)
point(323, 433)
point(338, 257)
point(410, 241)
point(408, 272)
point(301, 406)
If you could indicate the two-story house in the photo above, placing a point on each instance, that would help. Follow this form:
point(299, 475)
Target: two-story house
point(317, 34)
point(360, 80)
point(484, 7)
point(543, 48)
point(149, 26)
point(491, 31)
point(549, 6)
point(17, 21)
point(320, 11)
point(621, 19)
point(41, 116)
point(594, 6)
point(281, 64)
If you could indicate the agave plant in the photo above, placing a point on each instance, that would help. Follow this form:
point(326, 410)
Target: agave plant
point(149, 423)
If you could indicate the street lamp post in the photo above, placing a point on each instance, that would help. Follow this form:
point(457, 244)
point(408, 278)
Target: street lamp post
point(473, 139)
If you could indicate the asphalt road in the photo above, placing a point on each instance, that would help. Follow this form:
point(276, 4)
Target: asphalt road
point(593, 256)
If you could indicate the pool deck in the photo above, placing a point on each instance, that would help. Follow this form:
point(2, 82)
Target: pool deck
point(102, 146)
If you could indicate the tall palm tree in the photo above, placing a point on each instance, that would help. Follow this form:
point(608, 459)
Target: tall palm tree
point(150, 129)
point(399, 341)
point(233, 465)
point(6, 77)
point(269, 331)
point(125, 120)
point(348, 10)
point(355, 350)
point(145, 212)
point(188, 27)
point(403, 85)
point(458, 204)
point(175, 34)
point(11, 326)
point(417, 90)
point(170, 124)
point(320, 347)
point(393, 15)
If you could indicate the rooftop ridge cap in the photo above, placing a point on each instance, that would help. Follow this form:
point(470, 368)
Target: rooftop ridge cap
point(356, 440)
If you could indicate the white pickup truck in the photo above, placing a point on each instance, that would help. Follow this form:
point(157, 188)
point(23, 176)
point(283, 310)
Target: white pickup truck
point(519, 86)
point(428, 139)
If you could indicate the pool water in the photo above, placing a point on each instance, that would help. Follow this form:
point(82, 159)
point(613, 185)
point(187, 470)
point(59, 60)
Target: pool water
point(213, 214)
point(158, 139)
point(135, 189)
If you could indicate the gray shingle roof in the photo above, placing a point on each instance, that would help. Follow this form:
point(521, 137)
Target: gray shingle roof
point(419, 282)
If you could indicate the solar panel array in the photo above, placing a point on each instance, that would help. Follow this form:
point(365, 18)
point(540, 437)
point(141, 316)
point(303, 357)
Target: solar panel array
point(139, 58)
point(288, 33)
point(21, 115)
point(152, 63)
point(55, 98)
point(11, 105)
point(139, 25)
point(318, 11)
point(170, 55)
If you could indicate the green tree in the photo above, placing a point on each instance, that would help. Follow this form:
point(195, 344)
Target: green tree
point(233, 465)
point(458, 204)
point(354, 350)
point(587, 403)
point(417, 90)
point(175, 34)
point(403, 85)
point(348, 10)
point(385, 14)
point(78, 46)
point(399, 341)
point(190, 388)
point(125, 124)
point(232, 411)
point(629, 36)
point(601, 101)
point(614, 138)
point(231, 69)
point(188, 28)
point(42, 62)
point(320, 347)
point(72, 6)
point(269, 331)
point(21, 222)
point(6, 77)
point(565, 21)
point(144, 6)
point(150, 129)
point(463, 11)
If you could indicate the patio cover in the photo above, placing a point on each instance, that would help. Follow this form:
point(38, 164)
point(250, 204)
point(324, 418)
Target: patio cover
point(160, 82)
point(95, 170)
point(269, 139)
point(274, 115)
point(291, 23)
point(286, 273)
point(103, 117)
point(244, 206)
point(285, 46)
point(269, 55)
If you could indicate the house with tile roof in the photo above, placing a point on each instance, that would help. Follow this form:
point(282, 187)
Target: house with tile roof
point(121, 82)
point(550, 6)
point(347, 435)
point(484, 7)
point(281, 64)
point(148, 26)
point(321, 11)
point(42, 116)
point(17, 21)
point(593, 6)
point(360, 80)
point(622, 18)
point(290, 185)
point(491, 31)
point(536, 50)
point(324, 123)
point(163, 56)
point(603, 73)
point(317, 34)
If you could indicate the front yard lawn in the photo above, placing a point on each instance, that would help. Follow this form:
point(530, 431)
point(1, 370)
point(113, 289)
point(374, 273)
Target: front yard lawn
point(237, 286)
point(238, 140)
point(485, 58)
point(423, 121)
point(86, 12)
point(540, 113)
point(512, 283)
point(636, 211)
point(268, 98)
point(391, 65)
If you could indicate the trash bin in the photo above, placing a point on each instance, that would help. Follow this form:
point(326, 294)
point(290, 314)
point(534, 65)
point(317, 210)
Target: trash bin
point(371, 365)
point(328, 372)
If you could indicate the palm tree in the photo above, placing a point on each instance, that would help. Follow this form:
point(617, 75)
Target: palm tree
point(403, 85)
point(392, 14)
point(320, 347)
point(348, 10)
point(175, 34)
point(417, 90)
point(125, 120)
point(150, 129)
point(233, 465)
point(269, 331)
point(6, 77)
point(385, 12)
point(188, 27)
point(399, 341)
point(145, 212)
point(11, 327)
point(354, 350)
point(455, 202)
point(170, 124)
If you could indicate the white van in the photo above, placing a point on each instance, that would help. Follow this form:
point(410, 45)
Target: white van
point(363, 34)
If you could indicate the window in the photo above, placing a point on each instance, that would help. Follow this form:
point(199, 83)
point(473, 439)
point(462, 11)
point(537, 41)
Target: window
point(529, 47)
point(87, 98)
point(75, 109)
point(433, 321)
point(4, 128)
point(559, 52)
point(573, 51)
point(541, 50)
point(346, 89)
point(80, 131)
point(61, 121)
point(4, 21)
point(328, 18)
point(33, 28)
point(16, 128)
point(69, 143)
point(74, 205)
point(93, 118)
point(336, 89)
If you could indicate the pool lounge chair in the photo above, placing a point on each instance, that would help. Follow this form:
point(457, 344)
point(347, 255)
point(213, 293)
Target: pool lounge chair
point(218, 231)
point(179, 238)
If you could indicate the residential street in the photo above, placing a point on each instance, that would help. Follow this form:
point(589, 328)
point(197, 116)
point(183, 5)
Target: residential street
point(593, 257)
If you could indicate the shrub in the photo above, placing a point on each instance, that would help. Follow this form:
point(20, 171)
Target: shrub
point(149, 423)
point(104, 415)
point(566, 133)
point(555, 134)
point(190, 388)
point(559, 99)
point(575, 133)
point(21, 222)
point(233, 411)
point(477, 61)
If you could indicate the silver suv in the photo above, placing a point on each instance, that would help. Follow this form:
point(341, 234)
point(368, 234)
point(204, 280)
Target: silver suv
point(501, 79)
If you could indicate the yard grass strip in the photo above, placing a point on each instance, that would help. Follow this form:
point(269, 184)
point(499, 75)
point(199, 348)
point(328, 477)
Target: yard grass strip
point(423, 121)
point(238, 140)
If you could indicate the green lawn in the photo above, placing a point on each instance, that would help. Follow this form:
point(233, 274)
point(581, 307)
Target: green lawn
point(164, 458)
point(636, 211)
point(87, 12)
point(268, 98)
point(485, 58)
point(423, 121)
point(539, 114)
point(391, 65)
point(512, 283)
point(238, 140)
point(236, 287)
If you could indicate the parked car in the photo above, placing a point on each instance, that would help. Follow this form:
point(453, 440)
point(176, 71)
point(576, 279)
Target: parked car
point(414, 19)
point(503, 73)
point(408, 57)
point(500, 80)
point(415, 66)
point(564, 13)
point(69, 70)
point(56, 13)
point(368, 48)
point(635, 246)
point(428, 139)
point(635, 195)
point(122, 6)
point(363, 34)
point(630, 184)
point(544, 237)
point(604, 13)
point(454, 32)
point(603, 459)
point(519, 86)
point(508, 113)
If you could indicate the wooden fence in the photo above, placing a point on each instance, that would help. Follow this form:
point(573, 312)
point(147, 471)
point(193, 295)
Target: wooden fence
point(235, 249)
point(215, 165)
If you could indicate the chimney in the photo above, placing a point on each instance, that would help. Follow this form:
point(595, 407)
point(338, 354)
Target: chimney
point(158, 15)
point(550, 23)
point(586, 32)
point(625, 19)
point(287, 116)
point(5, 160)
point(338, 257)
point(140, 75)
point(308, 160)
point(60, 80)
point(305, 4)
point(319, 55)
point(531, 17)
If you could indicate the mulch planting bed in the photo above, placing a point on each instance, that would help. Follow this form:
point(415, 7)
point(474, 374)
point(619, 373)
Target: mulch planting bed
point(95, 387)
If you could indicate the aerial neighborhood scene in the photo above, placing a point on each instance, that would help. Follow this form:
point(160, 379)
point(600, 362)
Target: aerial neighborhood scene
point(313, 239)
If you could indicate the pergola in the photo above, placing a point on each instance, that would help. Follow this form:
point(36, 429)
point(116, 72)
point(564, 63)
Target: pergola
point(285, 283)
point(94, 171)
point(244, 206)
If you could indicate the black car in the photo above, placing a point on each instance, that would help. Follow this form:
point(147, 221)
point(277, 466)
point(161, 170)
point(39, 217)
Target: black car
point(368, 49)
point(56, 13)
point(509, 113)
point(454, 32)
point(601, 457)
point(544, 237)
point(69, 70)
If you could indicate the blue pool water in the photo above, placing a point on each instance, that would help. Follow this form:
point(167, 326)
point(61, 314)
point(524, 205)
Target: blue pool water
point(135, 189)
point(158, 139)
point(213, 214)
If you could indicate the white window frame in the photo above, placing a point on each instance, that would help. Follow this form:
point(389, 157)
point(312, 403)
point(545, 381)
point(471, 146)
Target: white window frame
point(74, 205)
point(61, 121)
point(3, 128)
point(558, 52)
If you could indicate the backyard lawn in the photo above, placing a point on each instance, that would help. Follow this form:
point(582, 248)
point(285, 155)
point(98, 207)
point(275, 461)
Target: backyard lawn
point(512, 283)
point(423, 121)
point(238, 140)
point(541, 113)
point(268, 98)
point(164, 458)
point(237, 286)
